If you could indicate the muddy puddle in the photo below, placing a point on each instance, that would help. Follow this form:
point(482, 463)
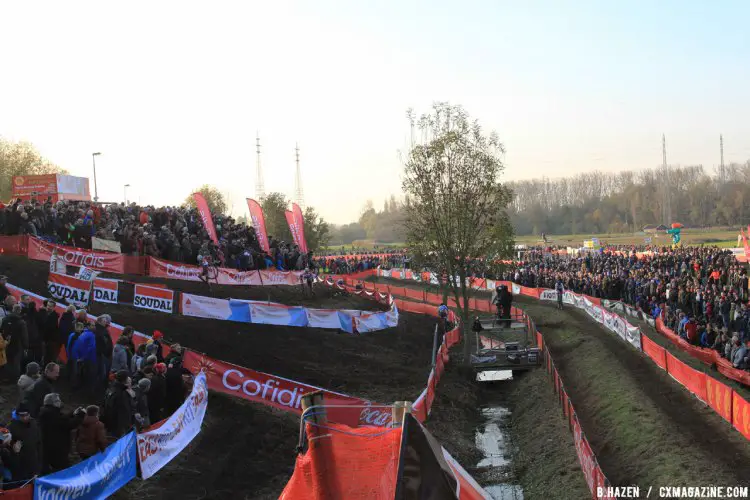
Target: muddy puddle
point(492, 438)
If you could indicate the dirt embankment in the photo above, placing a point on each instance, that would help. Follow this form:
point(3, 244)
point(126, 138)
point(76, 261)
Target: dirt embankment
point(247, 450)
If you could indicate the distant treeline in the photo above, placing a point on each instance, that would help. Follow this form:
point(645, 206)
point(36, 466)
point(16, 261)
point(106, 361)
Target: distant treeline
point(599, 202)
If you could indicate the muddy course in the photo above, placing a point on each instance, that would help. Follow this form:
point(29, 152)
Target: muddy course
point(643, 426)
point(247, 450)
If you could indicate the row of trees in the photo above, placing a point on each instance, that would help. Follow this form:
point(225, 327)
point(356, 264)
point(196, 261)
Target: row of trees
point(598, 202)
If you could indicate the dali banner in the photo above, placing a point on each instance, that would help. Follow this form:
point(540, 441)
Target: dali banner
point(297, 226)
point(208, 222)
point(259, 223)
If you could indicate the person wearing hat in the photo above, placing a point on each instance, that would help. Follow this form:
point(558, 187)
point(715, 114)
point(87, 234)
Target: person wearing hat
point(157, 394)
point(141, 402)
point(158, 336)
point(118, 405)
point(56, 427)
point(28, 379)
point(27, 442)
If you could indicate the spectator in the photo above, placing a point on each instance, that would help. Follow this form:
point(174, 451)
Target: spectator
point(90, 437)
point(15, 333)
point(28, 379)
point(141, 402)
point(137, 360)
point(49, 324)
point(67, 326)
point(27, 443)
point(104, 348)
point(55, 429)
point(157, 394)
point(739, 354)
point(83, 348)
point(4, 292)
point(175, 385)
point(45, 385)
point(118, 405)
point(120, 355)
point(159, 351)
point(35, 350)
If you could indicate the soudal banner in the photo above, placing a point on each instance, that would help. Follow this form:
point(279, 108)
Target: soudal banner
point(297, 226)
point(106, 290)
point(155, 299)
point(259, 223)
point(69, 289)
point(281, 393)
point(208, 222)
point(156, 448)
point(41, 250)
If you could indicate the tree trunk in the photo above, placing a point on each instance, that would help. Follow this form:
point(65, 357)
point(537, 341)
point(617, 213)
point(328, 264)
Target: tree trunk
point(463, 305)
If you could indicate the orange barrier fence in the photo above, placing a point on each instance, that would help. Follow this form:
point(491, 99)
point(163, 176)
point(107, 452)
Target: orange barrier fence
point(654, 351)
point(692, 379)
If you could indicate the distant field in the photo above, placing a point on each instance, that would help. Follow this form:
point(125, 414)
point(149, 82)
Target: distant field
point(722, 238)
point(365, 245)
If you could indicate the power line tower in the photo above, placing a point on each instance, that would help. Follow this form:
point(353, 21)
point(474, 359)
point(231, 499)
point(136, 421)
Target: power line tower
point(260, 190)
point(299, 198)
point(667, 204)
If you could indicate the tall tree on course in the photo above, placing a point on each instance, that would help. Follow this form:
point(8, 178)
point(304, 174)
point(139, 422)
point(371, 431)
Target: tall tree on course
point(456, 208)
point(274, 205)
point(21, 158)
point(216, 200)
point(317, 232)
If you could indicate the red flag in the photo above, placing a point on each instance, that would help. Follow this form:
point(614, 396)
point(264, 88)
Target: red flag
point(208, 222)
point(259, 223)
point(297, 226)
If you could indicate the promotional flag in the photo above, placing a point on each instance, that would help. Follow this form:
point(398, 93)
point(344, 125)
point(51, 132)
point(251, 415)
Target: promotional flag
point(208, 222)
point(85, 273)
point(297, 226)
point(259, 223)
point(156, 299)
point(56, 264)
point(69, 288)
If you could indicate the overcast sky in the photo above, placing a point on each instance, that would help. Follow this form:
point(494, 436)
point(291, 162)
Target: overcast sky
point(172, 93)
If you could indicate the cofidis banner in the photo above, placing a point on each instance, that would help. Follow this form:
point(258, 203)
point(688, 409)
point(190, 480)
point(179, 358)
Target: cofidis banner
point(97, 477)
point(156, 299)
point(158, 447)
point(69, 289)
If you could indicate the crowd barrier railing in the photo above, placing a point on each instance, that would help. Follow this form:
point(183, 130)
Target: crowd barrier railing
point(38, 249)
point(729, 404)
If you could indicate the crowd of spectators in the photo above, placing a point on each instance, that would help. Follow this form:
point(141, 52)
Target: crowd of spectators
point(134, 387)
point(700, 292)
point(171, 233)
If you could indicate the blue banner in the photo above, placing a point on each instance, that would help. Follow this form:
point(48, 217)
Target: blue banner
point(97, 477)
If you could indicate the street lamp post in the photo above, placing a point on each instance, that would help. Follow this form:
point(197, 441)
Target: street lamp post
point(96, 191)
point(126, 193)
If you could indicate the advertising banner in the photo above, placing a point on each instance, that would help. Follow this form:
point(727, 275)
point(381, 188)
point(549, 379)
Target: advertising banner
point(281, 393)
point(741, 414)
point(205, 213)
point(41, 250)
point(165, 269)
point(106, 290)
point(259, 223)
point(547, 294)
point(719, 398)
point(156, 448)
point(297, 226)
point(69, 289)
point(155, 299)
point(26, 185)
point(86, 273)
point(97, 477)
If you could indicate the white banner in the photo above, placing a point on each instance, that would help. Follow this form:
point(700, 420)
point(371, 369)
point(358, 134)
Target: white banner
point(199, 306)
point(106, 290)
point(548, 294)
point(86, 273)
point(155, 299)
point(105, 245)
point(516, 289)
point(157, 447)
